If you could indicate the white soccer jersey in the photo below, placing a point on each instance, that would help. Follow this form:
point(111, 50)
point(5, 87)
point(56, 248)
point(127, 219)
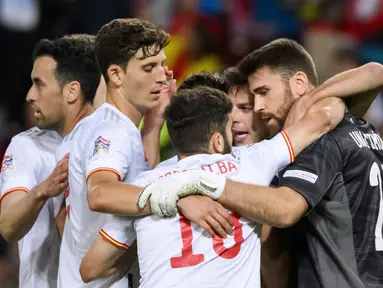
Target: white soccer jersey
point(106, 141)
point(173, 160)
point(168, 162)
point(30, 159)
point(176, 253)
point(62, 149)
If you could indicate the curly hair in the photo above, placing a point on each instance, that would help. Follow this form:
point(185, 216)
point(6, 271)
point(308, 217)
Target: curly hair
point(76, 61)
point(206, 79)
point(193, 115)
point(118, 41)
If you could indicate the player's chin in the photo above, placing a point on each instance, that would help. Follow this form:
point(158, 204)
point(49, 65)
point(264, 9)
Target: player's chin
point(43, 125)
point(152, 104)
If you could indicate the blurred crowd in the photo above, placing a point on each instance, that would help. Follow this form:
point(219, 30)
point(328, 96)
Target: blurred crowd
point(207, 35)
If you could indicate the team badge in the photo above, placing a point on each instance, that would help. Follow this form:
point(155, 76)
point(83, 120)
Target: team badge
point(7, 163)
point(101, 144)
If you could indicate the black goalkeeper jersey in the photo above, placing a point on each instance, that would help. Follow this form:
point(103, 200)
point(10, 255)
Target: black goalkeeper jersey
point(338, 243)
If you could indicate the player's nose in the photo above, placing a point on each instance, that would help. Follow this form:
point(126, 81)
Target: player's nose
point(31, 95)
point(234, 114)
point(259, 104)
point(161, 76)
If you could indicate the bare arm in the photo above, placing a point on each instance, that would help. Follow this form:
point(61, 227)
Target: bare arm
point(151, 141)
point(19, 210)
point(360, 86)
point(322, 117)
point(279, 207)
point(104, 259)
point(107, 194)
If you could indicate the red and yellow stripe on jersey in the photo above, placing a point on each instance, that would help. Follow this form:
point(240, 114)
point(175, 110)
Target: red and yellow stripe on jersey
point(113, 241)
point(9, 191)
point(289, 146)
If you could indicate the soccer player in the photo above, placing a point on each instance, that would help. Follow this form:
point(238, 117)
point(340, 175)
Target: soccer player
point(65, 77)
point(248, 127)
point(107, 150)
point(199, 123)
point(331, 196)
point(198, 79)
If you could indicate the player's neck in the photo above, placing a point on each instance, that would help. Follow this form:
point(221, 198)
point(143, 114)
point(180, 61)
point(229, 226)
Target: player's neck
point(126, 107)
point(74, 116)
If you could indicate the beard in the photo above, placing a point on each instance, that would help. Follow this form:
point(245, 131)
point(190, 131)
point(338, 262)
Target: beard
point(226, 145)
point(278, 120)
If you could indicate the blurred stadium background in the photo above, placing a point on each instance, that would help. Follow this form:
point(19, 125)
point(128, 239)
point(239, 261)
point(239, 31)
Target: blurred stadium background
point(206, 34)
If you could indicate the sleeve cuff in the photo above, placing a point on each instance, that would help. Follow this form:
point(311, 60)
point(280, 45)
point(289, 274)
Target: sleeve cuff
point(113, 241)
point(104, 169)
point(289, 146)
point(9, 191)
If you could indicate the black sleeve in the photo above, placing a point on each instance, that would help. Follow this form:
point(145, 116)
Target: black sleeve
point(314, 170)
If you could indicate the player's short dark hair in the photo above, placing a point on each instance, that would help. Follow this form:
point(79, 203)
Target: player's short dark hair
point(284, 56)
point(76, 61)
point(193, 115)
point(118, 41)
point(235, 78)
point(206, 79)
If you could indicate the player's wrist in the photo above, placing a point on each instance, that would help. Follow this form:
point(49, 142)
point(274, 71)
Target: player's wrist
point(41, 192)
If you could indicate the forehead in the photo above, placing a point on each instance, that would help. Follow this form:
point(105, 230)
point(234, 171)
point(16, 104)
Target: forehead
point(158, 58)
point(44, 67)
point(263, 77)
point(240, 95)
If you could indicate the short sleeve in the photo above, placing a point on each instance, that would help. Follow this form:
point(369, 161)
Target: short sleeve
point(119, 231)
point(20, 166)
point(314, 170)
point(272, 155)
point(109, 150)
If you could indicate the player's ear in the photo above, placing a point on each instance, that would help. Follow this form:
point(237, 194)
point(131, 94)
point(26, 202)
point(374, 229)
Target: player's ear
point(299, 84)
point(115, 74)
point(217, 143)
point(72, 91)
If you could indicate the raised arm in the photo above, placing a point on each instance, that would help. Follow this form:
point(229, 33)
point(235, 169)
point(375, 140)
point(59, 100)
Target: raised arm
point(320, 118)
point(360, 86)
point(154, 121)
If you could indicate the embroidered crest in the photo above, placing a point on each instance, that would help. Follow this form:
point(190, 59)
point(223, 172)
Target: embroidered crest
point(7, 163)
point(101, 144)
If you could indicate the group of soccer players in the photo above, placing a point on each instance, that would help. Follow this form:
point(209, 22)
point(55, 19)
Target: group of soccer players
point(78, 195)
